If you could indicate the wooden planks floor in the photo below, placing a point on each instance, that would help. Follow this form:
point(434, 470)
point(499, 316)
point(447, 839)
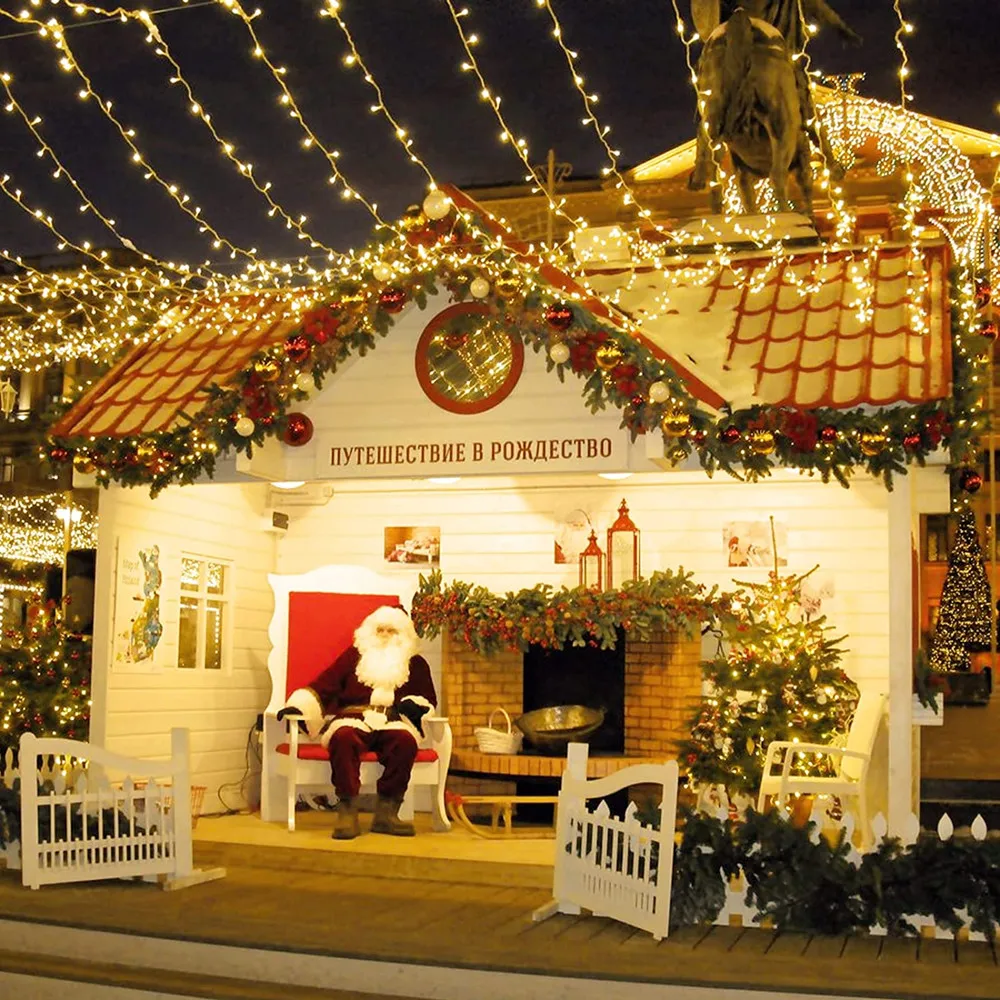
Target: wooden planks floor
point(485, 923)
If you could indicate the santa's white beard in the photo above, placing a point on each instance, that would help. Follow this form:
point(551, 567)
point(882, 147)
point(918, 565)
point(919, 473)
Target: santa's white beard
point(384, 668)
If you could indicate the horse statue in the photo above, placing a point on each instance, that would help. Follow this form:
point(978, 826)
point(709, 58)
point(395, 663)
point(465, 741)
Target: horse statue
point(750, 102)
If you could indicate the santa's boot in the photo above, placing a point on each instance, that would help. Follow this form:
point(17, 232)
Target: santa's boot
point(345, 819)
point(386, 818)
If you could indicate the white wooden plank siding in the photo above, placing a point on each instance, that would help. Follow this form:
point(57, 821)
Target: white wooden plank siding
point(134, 710)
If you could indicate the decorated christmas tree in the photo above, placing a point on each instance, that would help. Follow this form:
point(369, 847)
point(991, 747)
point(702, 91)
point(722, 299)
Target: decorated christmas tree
point(776, 677)
point(44, 681)
point(964, 622)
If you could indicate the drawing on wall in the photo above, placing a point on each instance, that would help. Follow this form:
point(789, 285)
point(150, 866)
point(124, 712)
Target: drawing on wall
point(138, 583)
point(748, 543)
point(815, 592)
point(572, 530)
point(421, 546)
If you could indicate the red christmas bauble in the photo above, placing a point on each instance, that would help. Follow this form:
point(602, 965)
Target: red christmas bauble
point(298, 348)
point(638, 400)
point(392, 300)
point(970, 481)
point(699, 437)
point(60, 454)
point(559, 316)
point(988, 329)
point(828, 434)
point(911, 441)
point(983, 293)
point(729, 435)
point(298, 430)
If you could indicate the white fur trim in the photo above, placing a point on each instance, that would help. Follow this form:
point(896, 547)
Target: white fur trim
point(340, 724)
point(307, 702)
point(374, 720)
point(406, 726)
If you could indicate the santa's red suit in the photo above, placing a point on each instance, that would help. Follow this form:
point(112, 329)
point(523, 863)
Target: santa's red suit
point(373, 697)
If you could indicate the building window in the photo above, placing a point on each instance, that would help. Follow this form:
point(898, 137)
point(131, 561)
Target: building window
point(205, 614)
point(936, 547)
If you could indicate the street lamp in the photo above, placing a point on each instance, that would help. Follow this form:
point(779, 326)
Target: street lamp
point(8, 397)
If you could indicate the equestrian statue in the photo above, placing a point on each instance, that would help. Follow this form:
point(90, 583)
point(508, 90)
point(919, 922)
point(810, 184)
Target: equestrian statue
point(755, 97)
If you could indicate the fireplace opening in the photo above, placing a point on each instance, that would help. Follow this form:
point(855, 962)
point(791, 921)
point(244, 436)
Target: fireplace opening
point(580, 675)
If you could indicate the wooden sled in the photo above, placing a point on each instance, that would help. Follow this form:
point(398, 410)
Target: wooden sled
point(501, 826)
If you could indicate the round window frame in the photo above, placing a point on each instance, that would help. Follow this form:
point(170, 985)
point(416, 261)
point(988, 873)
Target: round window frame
point(422, 365)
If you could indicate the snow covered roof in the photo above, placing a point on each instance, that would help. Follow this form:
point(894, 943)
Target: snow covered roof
point(816, 329)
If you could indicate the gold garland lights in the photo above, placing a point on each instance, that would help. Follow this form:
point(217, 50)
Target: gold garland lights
point(32, 529)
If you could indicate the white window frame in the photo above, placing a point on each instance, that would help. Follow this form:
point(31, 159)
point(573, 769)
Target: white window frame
point(202, 596)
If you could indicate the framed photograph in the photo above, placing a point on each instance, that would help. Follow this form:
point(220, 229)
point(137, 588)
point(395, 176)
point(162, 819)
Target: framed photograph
point(572, 528)
point(748, 543)
point(412, 546)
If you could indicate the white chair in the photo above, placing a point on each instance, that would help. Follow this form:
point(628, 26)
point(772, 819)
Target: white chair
point(849, 763)
point(315, 615)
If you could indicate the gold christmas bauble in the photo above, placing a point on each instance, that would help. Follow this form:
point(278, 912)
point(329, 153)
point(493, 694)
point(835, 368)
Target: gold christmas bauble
point(83, 465)
point(413, 220)
point(676, 423)
point(677, 454)
point(762, 442)
point(608, 356)
point(146, 450)
point(266, 369)
point(872, 443)
point(352, 301)
point(507, 285)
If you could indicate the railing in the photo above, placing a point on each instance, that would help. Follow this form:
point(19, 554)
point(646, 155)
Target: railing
point(76, 826)
point(615, 868)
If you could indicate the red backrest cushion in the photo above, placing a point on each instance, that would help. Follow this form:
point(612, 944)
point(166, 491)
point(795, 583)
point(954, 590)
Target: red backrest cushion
point(321, 627)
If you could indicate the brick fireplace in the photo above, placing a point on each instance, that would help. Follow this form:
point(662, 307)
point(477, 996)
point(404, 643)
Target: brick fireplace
point(662, 684)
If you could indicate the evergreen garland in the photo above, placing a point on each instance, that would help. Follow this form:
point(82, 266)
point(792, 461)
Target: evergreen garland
point(489, 622)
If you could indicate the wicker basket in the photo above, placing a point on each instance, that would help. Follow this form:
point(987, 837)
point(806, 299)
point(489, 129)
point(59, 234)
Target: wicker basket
point(492, 740)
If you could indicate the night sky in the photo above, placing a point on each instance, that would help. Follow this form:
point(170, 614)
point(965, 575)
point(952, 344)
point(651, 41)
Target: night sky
point(629, 53)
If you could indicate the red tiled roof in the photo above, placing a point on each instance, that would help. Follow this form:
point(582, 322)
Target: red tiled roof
point(201, 340)
point(848, 335)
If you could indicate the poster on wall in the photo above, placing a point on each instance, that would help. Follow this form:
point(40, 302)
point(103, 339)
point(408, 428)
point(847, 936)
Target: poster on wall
point(412, 546)
point(815, 594)
point(572, 530)
point(138, 584)
point(748, 543)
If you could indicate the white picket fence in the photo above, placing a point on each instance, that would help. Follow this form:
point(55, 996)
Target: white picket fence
point(736, 912)
point(615, 868)
point(82, 827)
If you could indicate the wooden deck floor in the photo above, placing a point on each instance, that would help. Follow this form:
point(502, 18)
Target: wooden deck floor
point(481, 920)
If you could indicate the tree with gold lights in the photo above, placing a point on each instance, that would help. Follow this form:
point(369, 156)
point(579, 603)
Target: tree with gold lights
point(44, 681)
point(776, 677)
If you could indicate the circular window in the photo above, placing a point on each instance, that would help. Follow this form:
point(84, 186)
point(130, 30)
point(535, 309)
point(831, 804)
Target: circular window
point(466, 361)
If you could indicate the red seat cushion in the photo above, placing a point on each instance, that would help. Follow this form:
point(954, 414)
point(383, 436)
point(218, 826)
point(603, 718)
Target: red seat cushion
point(313, 751)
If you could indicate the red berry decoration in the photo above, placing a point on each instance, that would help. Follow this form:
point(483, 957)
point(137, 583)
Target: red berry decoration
point(699, 437)
point(911, 442)
point(970, 481)
point(392, 300)
point(298, 430)
point(729, 435)
point(828, 434)
point(297, 348)
point(559, 316)
point(983, 293)
point(60, 454)
point(988, 329)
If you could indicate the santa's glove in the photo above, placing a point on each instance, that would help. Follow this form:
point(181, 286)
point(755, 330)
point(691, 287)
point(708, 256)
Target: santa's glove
point(290, 711)
point(414, 714)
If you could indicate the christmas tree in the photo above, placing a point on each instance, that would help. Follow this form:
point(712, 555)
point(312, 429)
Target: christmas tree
point(964, 622)
point(776, 677)
point(44, 681)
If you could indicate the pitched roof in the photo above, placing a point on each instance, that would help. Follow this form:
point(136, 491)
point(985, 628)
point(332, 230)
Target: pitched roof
point(201, 340)
point(817, 329)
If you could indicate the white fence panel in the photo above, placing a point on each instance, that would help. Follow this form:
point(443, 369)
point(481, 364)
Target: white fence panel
point(86, 829)
point(615, 868)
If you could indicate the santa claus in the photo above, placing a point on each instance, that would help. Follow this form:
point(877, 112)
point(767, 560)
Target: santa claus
point(372, 698)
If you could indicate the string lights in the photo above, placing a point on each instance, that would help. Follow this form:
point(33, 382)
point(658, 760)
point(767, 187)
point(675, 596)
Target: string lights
point(32, 529)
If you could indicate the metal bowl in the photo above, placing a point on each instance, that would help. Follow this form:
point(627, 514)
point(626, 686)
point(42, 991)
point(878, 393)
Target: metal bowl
point(551, 729)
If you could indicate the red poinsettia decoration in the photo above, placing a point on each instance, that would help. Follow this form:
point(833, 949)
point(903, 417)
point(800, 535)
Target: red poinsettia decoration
point(320, 325)
point(936, 427)
point(801, 429)
point(583, 349)
point(625, 378)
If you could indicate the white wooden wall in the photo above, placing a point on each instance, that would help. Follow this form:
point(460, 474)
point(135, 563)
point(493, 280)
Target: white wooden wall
point(134, 708)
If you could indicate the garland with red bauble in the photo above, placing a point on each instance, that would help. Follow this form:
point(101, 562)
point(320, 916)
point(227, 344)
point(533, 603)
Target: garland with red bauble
point(617, 370)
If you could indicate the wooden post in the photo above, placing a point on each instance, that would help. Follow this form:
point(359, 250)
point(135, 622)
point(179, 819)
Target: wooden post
point(990, 463)
point(27, 764)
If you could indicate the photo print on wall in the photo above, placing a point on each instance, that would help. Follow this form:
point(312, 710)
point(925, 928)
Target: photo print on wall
point(405, 546)
point(748, 543)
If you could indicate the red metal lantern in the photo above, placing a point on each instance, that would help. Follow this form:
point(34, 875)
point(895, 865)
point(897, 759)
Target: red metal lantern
point(623, 550)
point(591, 564)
